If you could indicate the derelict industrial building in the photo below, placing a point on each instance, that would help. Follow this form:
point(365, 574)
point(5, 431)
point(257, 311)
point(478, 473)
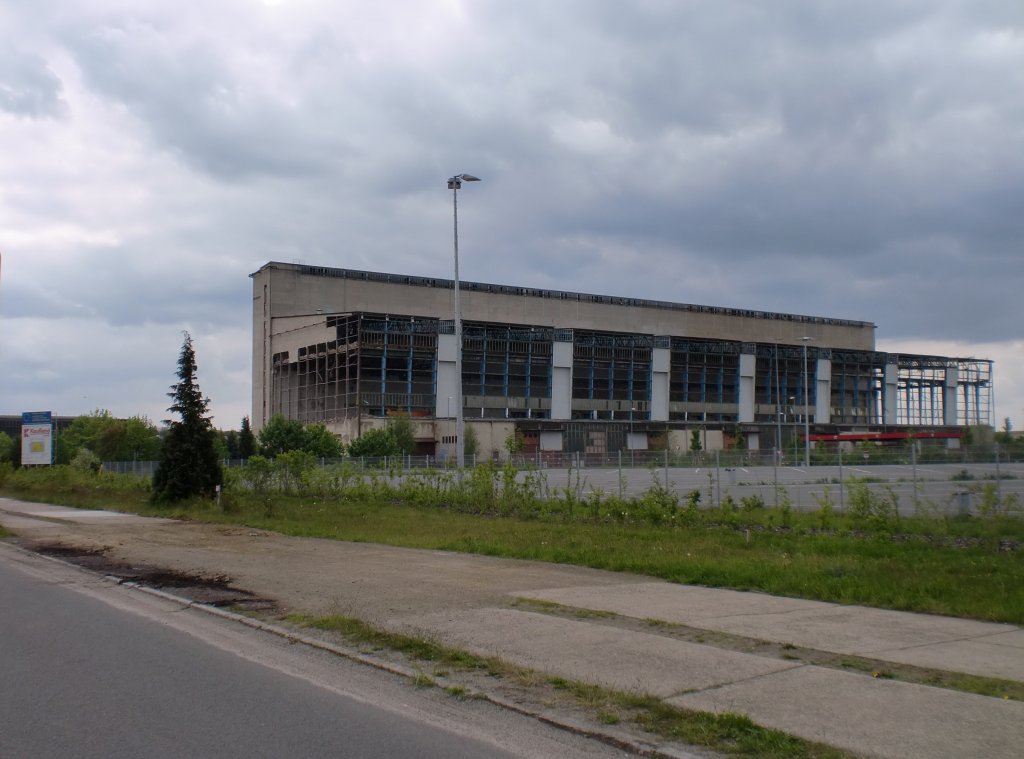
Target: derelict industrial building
point(580, 372)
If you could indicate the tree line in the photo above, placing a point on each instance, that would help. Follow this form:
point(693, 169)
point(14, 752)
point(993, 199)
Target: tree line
point(190, 450)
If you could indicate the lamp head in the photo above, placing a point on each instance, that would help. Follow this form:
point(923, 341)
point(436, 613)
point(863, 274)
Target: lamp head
point(455, 183)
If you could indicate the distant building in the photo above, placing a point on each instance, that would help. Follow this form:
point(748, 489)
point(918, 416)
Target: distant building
point(11, 424)
point(579, 372)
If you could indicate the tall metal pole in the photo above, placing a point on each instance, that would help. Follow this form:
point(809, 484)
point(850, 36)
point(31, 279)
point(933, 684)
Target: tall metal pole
point(454, 183)
point(778, 405)
point(778, 426)
point(807, 416)
point(460, 450)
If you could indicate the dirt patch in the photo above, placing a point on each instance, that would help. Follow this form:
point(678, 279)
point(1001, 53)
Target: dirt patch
point(215, 590)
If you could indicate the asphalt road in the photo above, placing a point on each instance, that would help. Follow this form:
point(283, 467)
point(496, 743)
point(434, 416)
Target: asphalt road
point(92, 669)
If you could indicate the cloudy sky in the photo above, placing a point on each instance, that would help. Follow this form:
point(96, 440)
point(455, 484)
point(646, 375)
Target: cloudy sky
point(861, 160)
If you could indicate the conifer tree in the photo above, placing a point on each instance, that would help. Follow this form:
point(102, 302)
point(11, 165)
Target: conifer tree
point(188, 463)
point(246, 440)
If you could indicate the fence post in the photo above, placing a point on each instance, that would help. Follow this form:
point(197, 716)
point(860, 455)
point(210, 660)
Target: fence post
point(913, 460)
point(841, 503)
point(666, 470)
point(999, 481)
point(620, 473)
point(718, 483)
point(775, 471)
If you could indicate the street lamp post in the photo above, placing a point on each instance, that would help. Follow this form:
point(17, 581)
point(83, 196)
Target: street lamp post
point(807, 416)
point(778, 405)
point(793, 424)
point(455, 184)
point(629, 438)
point(777, 453)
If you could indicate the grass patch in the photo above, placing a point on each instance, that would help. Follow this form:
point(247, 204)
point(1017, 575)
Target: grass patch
point(983, 686)
point(975, 582)
point(551, 607)
point(787, 651)
point(69, 486)
point(950, 566)
point(422, 680)
point(456, 691)
point(420, 649)
point(729, 733)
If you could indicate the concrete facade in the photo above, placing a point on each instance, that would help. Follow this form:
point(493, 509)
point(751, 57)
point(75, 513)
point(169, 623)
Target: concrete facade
point(337, 345)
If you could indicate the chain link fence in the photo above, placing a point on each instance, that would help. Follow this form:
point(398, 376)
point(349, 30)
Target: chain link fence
point(939, 483)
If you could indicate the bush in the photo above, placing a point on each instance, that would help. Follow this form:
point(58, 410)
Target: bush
point(258, 474)
point(111, 439)
point(291, 466)
point(752, 502)
point(280, 435)
point(374, 444)
point(86, 460)
point(657, 505)
point(400, 428)
point(7, 448)
point(871, 511)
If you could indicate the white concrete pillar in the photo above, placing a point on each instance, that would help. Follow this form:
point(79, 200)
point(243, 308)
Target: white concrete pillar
point(661, 362)
point(561, 375)
point(748, 366)
point(445, 389)
point(823, 392)
point(891, 378)
point(949, 396)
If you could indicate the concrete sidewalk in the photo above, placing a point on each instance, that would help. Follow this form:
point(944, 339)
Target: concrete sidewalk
point(471, 602)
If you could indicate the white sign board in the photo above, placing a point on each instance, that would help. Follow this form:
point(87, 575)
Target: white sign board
point(36, 438)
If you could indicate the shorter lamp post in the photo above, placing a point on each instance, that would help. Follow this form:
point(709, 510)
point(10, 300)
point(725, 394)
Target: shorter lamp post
point(807, 415)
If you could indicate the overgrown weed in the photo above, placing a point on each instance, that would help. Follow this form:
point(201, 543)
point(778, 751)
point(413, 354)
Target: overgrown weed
point(956, 565)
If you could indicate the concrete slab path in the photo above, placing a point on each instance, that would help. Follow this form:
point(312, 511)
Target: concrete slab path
point(948, 643)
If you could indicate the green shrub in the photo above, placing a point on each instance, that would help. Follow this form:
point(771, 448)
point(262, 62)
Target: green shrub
point(826, 509)
point(258, 475)
point(374, 444)
point(752, 502)
point(658, 505)
point(8, 447)
point(86, 460)
point(290, 467)
point(869, 510)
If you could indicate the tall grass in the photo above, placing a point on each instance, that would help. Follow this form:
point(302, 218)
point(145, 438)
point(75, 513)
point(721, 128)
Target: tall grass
point(957, 566)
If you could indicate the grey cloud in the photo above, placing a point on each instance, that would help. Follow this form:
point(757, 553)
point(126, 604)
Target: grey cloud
point(28, 87)
point(861, 160)
point(194, 105)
